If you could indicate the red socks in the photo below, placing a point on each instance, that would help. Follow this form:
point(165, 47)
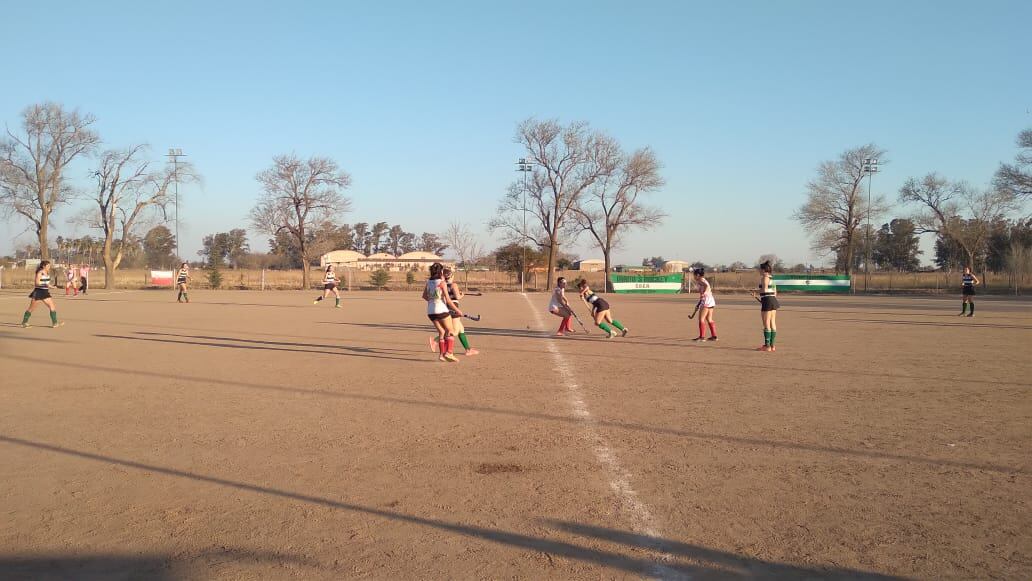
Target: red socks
point(566, 325)
point(442, 344)
point(450, 342)
point(712, 329)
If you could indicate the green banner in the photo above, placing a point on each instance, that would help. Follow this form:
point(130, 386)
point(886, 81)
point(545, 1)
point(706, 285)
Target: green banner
point(646, 283)
point(814, 283)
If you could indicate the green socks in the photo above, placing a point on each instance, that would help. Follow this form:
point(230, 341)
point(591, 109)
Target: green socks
point(972, 305)
point(618, 325)
point(963, 308)
point(773, 335)
point(338, 303)
point(53, 317)
point(25, 317)
point(605, 327)
point(768, 337)
point(462, 339)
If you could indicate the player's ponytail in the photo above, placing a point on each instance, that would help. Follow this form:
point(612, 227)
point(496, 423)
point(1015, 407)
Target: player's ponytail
point(766, 267)
point(435, 270)
point(42, 264)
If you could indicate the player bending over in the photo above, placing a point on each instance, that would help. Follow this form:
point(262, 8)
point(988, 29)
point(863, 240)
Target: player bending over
point(560, 307)
point(438, 309)
point(329, 286)
point(706, 306)
point(600, 310)
point(41, 293)
point(967, 289)
point(455, 294)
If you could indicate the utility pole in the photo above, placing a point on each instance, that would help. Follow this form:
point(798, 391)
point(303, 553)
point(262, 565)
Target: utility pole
point(524, 167)
point(870, 168)
point(174, 153)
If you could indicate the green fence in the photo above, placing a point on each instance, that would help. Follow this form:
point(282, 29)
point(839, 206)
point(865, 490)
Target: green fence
point(819, 283)
point(646, 283)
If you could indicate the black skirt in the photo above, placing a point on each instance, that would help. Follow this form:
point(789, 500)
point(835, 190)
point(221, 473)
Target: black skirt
point(969, 291)
point(329, 286)
point(600, 305)
point(39, 294)
point(769, 303)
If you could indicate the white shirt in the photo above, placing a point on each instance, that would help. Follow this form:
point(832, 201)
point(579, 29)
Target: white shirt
point(557, 299)
point(435, 304)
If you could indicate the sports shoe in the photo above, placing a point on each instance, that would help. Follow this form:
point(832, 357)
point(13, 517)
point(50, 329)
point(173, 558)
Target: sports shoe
point(450, 358)
point(625, 331)
point(57, 324)
point(337, 307)
point(699, 338)
point(714, 338)
point(764, 348)
point(315, 302)
point(25, 325)
point(971, 315)
point(612, 334)
point(472, 352)
point(558, 333)
point(433, 344)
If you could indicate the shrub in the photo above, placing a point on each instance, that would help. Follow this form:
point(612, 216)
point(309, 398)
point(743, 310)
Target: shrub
point(380, 278)
point(214, 278)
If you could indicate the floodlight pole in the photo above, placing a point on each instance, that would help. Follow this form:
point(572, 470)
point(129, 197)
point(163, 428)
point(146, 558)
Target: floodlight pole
point(524, 167)
point(174, 153)
point(870, 168)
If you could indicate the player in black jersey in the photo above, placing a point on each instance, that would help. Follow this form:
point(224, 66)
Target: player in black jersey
point(968, 282)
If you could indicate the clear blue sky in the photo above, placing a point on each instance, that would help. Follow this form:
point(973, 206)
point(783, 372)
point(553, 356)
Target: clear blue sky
point(419, 100)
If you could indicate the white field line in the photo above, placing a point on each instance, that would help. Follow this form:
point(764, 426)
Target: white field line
point(619, 478)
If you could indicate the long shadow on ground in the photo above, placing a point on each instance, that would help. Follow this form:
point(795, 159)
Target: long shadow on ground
point(638, 563)
point(659, 430)
point(152, 567)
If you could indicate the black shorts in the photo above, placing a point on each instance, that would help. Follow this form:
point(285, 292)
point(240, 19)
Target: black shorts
point(438, 316)
point(181, 281)
point(39, 294)
point(968, 291)
point(329, 286)
point(769, 303)
point(599, 306)
point(454, 314)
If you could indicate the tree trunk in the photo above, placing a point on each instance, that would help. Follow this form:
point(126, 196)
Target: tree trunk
point(305, 278)
point(608, 286)
point(552, 251)
point(44, 226)
point(109, 266)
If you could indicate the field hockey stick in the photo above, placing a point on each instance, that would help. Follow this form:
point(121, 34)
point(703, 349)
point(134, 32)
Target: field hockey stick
point(473, 294)
point(696, 311)
point(583, 328)
point(471, 317)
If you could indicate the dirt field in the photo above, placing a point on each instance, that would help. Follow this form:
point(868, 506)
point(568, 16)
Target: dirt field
point(254, 435)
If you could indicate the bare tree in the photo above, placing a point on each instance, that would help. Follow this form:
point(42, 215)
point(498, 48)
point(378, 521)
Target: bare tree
point(567, 161)
point(298, 194)
point(836, 206)
point(1017, 177)
point(957, 210)
point(33, 162)
point(127, 190)
point(611, 206)
point(465, 245)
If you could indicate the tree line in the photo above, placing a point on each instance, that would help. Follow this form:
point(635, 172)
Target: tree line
point(974, 226)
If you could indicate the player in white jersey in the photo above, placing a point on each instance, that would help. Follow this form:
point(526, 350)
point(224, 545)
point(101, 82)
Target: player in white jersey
point(329, 286)
point(41, 293)
point(439, 308)
point(559, 306)
point(707, 304)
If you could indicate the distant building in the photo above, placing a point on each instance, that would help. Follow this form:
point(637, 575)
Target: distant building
point(590, 265)
point(357, 260)
point(675, 266)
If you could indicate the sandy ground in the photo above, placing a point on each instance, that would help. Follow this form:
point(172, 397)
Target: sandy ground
point(254, 435)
